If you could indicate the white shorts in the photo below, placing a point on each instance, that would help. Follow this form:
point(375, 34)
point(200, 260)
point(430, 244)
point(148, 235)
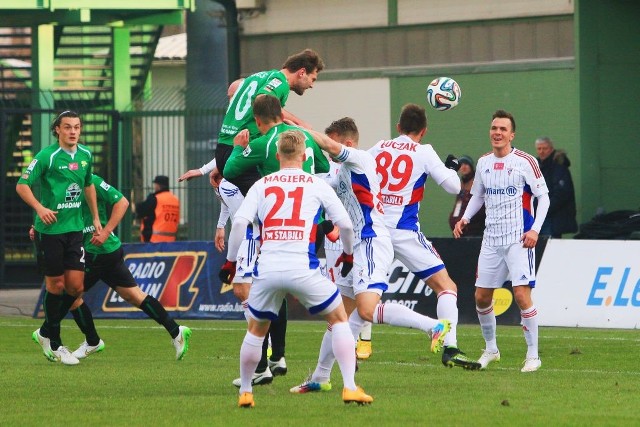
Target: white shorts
point(497, 264)
point(372, 258)
point(247, 255)
point(333, 273)
point(317, 293)
point(416, 253)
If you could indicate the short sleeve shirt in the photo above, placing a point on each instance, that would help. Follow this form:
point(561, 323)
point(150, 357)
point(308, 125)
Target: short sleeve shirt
point(239, 114)
point(62, 177)
point(107, 196)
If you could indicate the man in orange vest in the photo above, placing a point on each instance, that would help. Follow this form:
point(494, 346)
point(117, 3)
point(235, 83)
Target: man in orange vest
point(159, 213)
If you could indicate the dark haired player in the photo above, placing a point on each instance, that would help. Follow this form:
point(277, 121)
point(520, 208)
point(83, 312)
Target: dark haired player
point(64, 173)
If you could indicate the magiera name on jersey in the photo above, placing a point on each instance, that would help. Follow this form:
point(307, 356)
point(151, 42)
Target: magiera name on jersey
point(288, 178)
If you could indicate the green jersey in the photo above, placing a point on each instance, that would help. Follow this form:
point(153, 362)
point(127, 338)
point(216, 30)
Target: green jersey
point(62, 178)
point(239, 114)
point(261, 153)
point(107, 196)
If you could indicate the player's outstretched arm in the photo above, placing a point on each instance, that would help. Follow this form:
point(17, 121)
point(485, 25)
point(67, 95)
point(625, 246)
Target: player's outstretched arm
point(327, 144)
point(190, 174)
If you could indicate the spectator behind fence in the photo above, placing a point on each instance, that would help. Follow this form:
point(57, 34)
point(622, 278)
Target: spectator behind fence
point(466, 172)
point(554, 165)
point(159, 214)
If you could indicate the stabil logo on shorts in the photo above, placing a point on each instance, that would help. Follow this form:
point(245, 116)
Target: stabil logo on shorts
point(169, 277)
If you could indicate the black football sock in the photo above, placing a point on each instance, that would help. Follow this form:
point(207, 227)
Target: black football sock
point(84, 319)
point(262, 365)
point(278, 331)
point(157, 312)
point(51, 326)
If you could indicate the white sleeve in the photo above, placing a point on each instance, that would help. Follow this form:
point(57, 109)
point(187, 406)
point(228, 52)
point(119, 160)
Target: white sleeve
point(346, 236)
point(541, 212)
point(442, 175)
point(533, 176)
point(208, 167)
point(452, 184)
point(224, 215)
point(352, 156)
point(236, 236)
point(474, 205)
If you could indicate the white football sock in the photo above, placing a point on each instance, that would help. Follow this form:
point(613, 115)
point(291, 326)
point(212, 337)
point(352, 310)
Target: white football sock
point(447, 308)
point(399, 315)
point(250, 354)
point(487, 318)
point(343, 344)
point(326, 358)
point(530, 329)
point(365, 332)
point(356, 323)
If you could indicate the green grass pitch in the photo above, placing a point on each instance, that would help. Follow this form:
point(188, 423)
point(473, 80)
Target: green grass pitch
point(588, 377)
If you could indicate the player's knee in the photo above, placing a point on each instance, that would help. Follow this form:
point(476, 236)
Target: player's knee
point(483, 299)
point(55, 285)
point(77, 303)
point(523, 300)
point(241, 291)
point(366, 313)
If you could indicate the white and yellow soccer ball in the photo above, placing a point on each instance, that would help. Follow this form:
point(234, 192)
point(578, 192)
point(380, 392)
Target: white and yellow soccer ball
point(443, 93)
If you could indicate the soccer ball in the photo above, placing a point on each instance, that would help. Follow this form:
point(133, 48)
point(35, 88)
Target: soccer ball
point(443, 93)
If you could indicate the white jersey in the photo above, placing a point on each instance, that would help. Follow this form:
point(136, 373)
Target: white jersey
point(403, 166)
point(359, 190)
point(288, 205)
point(331, 178)
point(507, 184)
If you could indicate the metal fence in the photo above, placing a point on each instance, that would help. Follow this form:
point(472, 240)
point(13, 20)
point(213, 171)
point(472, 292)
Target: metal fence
point(130, 149)
point(170, 143)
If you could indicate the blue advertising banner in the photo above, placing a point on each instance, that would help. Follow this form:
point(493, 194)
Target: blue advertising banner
point(183, 276)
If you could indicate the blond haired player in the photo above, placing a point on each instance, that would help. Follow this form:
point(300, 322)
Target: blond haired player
point(506, 181)
point(288, 205)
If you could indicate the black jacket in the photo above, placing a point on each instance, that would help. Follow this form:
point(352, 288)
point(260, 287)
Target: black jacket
point(562, 209)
